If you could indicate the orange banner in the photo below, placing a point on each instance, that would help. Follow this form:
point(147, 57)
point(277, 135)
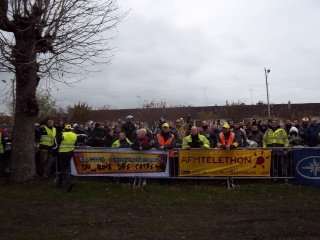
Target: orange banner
point(225, 163)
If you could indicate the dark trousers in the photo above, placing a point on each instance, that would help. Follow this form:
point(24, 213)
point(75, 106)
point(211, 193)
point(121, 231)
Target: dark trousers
point(64, 165)
point(3, 164)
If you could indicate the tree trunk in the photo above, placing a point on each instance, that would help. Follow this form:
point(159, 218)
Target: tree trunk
point(22, 162)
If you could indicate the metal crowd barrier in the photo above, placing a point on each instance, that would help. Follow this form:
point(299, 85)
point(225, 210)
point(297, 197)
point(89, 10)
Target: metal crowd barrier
point(282, 165)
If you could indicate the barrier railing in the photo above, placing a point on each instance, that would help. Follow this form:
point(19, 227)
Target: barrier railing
point(279, 164)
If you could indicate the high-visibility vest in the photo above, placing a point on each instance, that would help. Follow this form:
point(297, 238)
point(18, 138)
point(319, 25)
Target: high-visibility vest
point(223, 138)
point(68, 142)
point(279, 136)
point(162, 142)
point(1, 146)
point(48, 140)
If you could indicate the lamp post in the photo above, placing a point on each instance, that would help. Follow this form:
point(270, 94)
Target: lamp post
point(266, 72)
point(139, 100)
point(205, 94)
point(13, 95)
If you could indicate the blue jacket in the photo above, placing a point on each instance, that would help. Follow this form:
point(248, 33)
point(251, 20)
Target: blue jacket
point(312, 133)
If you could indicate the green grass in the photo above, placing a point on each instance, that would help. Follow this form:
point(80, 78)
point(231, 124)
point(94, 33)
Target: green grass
point(98, 208)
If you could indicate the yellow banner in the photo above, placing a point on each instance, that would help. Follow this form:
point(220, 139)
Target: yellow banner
point(104, 162)
point(225, 162)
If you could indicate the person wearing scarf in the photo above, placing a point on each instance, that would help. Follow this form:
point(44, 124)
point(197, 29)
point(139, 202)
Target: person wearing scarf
point(142, 142)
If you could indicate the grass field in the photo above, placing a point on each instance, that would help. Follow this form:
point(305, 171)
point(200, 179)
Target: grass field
point(98, 208)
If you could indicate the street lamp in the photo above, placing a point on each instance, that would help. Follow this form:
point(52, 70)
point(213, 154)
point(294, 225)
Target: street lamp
point(139, 100)
point(205, 94)
point(266, 72)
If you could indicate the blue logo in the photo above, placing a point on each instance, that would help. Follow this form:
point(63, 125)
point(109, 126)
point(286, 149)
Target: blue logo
point(309, 167)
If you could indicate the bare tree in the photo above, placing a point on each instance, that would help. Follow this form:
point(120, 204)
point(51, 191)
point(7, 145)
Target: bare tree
point(49, 40)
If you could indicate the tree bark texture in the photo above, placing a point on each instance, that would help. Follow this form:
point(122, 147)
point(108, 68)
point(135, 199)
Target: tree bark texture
point(22, 164)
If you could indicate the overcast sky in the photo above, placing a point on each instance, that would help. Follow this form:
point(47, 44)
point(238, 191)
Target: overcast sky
point(206, 52)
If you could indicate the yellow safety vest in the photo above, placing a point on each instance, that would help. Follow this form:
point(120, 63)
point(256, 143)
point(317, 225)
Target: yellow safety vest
point(278, 136)
point(1, 146)
point(68, 141)
point(48, 140)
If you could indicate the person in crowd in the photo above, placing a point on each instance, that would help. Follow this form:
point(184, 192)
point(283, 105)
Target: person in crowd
point(312, 133)
point(219, 125)
point(256, 135)
point(89, 129)
point(296, 123)
point(276, 136)
point(211, 138)
point(246, 129)
point(195, 140)
point(47, 145)
point(215, 134)
point(181, 129)
point(82, 135)
point(107, 124)
point(122, 142)
point(116, 133)
point(231, 124)
point(174, 131)
point(142, 142)
point(66, 141)
point(98, 135)
point(4, 128)
point(159, 127)
point(227, 139)
point(59, 126)
point(89, 125)
point(75, 127)
point(128, 127)
point(185, 124)
point(204, 128)
point(254, 122)
point(263, 127)
point(241, 124)
point(287, 126)
point(165, 140)
point(294, 138)
point(240, 134)
point(142, 125)
point(216, 129)
point(188, 131)
point(119, 122)
point(108, 138)
point(294, 141)
point(2, 159)
point(37, 149)
point(302, 130)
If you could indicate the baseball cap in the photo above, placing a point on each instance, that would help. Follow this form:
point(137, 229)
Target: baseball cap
point(226, 125)
point(165, 125)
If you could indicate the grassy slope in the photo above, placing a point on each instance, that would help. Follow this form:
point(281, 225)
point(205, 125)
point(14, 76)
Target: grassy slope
point(100, 209)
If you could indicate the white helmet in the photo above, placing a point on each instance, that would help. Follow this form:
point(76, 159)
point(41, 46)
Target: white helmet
point(305, 119)
point(129, 117)
point(75, 125)
point(294, 129)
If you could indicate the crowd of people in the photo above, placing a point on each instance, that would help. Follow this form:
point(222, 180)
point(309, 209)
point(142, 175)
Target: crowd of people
point(250, 134)
point(58, 140)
